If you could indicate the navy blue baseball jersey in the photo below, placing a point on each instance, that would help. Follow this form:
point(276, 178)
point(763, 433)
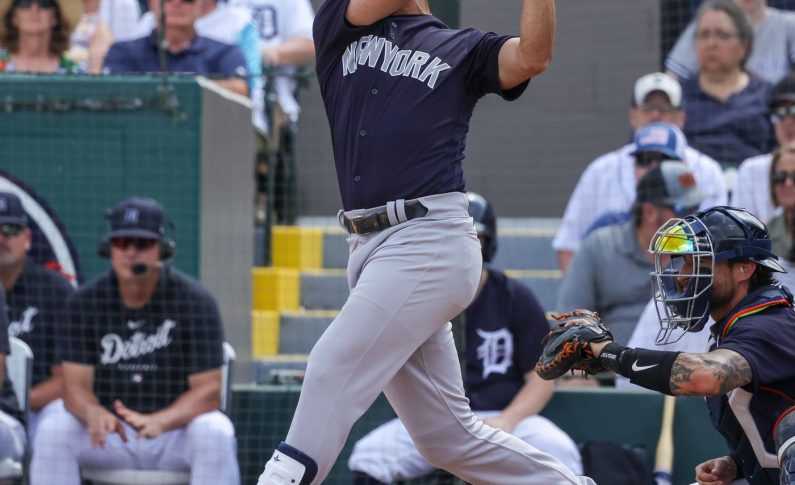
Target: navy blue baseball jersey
point(8, 400)
point(505, 326)
point(399, 95)
point(36, 309)
point(766, 339)
point(143, 356)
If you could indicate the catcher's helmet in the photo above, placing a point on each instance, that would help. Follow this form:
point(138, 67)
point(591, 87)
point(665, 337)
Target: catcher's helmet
point(684, 291)
point(482, 214)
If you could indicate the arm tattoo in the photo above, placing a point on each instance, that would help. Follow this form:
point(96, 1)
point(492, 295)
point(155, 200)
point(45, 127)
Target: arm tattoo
point(725, 368)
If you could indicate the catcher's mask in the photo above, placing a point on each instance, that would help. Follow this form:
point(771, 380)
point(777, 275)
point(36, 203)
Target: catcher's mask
point(482, 214)
point(685, 253)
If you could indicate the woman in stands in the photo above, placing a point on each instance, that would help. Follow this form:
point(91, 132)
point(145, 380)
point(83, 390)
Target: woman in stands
point(34, 35)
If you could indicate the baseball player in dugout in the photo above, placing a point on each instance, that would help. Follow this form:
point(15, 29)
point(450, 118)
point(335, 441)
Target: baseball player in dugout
point(715, 263)
point(399, 88)
point(36, 299)
point(504, 328)
point(141, 351)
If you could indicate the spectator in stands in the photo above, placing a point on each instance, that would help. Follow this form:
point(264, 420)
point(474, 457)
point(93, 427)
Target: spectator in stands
point(141, 350)
point(12, 432)
point(727, 106)
point(36, 302)
point(752, 190)
point(504, 328)
point(608, 183)
point(668, 190)
point(185, 50)
point(782, 181)
point(102, 23)
point(773, 52)
point(35, 35)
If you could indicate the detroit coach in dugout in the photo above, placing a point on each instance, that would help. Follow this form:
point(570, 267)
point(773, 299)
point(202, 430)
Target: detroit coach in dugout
point(141, 351)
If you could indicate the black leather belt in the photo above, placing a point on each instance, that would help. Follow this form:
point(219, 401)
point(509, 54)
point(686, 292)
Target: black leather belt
point(378, 221)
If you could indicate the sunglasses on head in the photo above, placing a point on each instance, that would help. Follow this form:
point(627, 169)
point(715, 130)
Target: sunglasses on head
point(40, 3)
point(781, 176)
point(646, 159)
point(11, 230)
point(139, 243)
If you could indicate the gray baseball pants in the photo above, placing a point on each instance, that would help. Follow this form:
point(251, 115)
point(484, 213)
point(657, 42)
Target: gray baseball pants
point(393, 334)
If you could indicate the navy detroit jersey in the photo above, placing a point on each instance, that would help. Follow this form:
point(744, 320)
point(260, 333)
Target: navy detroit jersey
point(767, 341)
point(399, 95)
point(143, 356)
point(505, 326)
point(8, 400)
point(36, 308)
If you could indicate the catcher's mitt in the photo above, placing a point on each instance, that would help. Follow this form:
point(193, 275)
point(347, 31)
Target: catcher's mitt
point(568, 345)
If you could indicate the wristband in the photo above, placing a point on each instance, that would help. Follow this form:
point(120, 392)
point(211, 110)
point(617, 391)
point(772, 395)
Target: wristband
point(648, 368)
point(611, 356)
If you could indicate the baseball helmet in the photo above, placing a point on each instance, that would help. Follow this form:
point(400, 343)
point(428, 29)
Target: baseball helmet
point(482, 214)
point(685, 253)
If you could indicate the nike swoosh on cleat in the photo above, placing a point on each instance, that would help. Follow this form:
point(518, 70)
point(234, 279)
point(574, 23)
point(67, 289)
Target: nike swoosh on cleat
point(638, 368)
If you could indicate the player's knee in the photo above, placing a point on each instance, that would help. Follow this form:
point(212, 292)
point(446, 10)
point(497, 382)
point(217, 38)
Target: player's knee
point(785, 445)
point(56, 430)
point(437, 451)
point(288, 465)
point(212, 433)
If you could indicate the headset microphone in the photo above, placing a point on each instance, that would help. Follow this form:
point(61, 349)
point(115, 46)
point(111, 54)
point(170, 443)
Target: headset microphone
point(139, 268)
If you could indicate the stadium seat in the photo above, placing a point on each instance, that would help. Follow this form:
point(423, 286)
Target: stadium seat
point(165, 477)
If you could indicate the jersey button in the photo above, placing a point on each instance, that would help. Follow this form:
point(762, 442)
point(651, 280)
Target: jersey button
point(373, 91)
point(362, 133)
point(356, 178)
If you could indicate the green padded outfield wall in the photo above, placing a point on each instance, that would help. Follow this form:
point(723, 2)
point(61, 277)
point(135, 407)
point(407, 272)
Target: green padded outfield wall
point(82, 160)
point(83, 143)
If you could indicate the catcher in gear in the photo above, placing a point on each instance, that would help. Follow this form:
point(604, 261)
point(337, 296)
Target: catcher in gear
point(715, 263)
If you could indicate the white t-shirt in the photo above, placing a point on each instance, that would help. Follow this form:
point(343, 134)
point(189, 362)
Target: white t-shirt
point(752, 188)
point(121, 16)
point(277, 22)
point(772, 56)
point(608, 185)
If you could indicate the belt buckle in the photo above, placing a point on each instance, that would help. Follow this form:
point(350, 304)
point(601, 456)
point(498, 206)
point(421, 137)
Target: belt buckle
point(359, 224)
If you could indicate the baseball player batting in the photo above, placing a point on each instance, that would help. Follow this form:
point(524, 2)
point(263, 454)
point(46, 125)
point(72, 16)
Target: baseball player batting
point(399, 88)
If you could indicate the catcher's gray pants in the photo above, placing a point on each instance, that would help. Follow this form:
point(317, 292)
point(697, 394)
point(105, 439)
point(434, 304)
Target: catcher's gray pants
point(12, 438)
point(393, 334)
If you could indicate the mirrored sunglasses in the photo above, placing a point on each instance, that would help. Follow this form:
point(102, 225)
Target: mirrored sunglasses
point(783, 111)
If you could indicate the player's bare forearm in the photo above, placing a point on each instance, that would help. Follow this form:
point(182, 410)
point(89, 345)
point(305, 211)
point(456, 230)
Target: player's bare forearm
point(366, 12)
point(78, 390)
point(235, 85)
point(203, 396)
point(530, 54)
point(294, 52)
point(531, 398)
point(709, 374)
point(47, 391)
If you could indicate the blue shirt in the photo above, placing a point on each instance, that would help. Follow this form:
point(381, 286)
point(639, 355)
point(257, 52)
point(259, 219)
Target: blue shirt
point(399, 95)
point(733, 130)
point(767, 341)
point(504, 328)
point(202, 56)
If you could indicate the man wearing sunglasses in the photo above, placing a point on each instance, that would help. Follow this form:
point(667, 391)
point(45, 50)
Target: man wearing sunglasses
point(36, 301)
point(608, 183)
point(668, 190)
point(185, 50)
point(141, 351)
point(752, 190)
point(12, 432)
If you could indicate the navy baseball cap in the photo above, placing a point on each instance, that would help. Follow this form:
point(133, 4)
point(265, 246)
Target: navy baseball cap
point(137, 217)
point(11, 211)
point(665, 138)
point(783, 91)
point(670, 183)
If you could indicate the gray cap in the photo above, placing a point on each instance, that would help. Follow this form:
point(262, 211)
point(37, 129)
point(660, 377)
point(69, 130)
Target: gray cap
point(670, 183)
